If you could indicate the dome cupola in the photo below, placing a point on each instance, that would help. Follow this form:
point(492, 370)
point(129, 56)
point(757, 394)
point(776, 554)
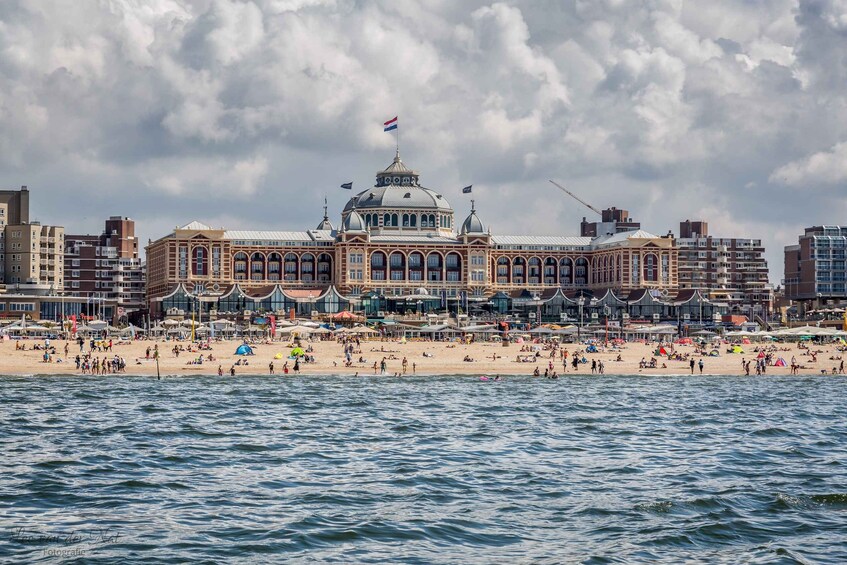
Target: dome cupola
point(353, 222)
point(397, 202)
point(325, 223)
point(472, 224)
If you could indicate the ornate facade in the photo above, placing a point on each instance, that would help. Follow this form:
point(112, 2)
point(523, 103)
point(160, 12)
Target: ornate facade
point(399, 239)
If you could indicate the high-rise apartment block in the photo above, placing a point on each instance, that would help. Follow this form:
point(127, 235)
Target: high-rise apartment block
point(31, 255)
point(816, 268)
point(731, 270)
point(106, 268)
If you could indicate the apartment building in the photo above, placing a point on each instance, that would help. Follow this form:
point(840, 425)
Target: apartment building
point(728, 269)
point(106, 269)
point(816, 267)
point(31, 255)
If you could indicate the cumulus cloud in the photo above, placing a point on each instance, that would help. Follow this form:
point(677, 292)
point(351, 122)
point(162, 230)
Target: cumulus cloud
point(824, 167)
point(672, 109)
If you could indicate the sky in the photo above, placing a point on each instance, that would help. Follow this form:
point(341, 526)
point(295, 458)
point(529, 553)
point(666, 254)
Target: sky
point(247, 114)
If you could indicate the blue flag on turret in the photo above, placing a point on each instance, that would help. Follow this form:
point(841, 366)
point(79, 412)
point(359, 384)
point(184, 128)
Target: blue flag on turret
point(467, 189)
point(347, 186)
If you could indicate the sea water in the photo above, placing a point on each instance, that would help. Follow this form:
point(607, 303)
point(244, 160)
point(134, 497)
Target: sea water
point(603, 469)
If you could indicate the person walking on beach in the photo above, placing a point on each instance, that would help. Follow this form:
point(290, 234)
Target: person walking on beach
point(232, 371)
point(691, 365)
point(701, 366)
point(271, 367)
point(220, 368)
point(297, 366)
point(382, 366)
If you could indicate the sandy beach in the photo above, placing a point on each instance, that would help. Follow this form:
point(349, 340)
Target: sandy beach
point(423, 358)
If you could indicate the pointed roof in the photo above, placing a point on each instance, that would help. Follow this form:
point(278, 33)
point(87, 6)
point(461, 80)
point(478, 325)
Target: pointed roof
point(325, 224)
point(397, 165)
point(353, 222)
point(472, 224)
point(195, 226)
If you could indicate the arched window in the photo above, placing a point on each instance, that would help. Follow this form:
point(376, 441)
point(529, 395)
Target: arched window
point(651, 268)
point(518, 270)
point(257, 267)
point(416, 266)
point(581, 271)
point(504, 272)
point(324, 267)
point(274, 266)
point(394, 220)
point(397, 262)
point(378, 266)
point(239, 266)
point(433, 267)
point(413, 220)
point(291, 267)
point(199, 261)
point(432, 220)
point(453, 263)
point(307, 267)
point(534, 270)
point(405, 220)
point(550, 270)
point(565, 271)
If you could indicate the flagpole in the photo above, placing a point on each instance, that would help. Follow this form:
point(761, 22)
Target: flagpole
point(397, 137)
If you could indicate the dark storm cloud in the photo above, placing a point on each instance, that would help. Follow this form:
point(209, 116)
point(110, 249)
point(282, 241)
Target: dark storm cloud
point(246, 113)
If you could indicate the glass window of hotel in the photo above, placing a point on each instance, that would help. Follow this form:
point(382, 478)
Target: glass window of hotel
point(199, 259)
point(324, 266)
point(183, 261)
point(396, 259)
point(377, 259)
point(274, 266)
point(216, 261)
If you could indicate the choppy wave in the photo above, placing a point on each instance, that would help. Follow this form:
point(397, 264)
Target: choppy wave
point(419, 470)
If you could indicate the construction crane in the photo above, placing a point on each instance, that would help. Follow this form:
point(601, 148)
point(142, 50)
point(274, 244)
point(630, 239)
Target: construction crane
point(577, 198)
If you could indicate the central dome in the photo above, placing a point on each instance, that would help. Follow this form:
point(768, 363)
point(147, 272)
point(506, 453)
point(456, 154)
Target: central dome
point(397, 202)
point(397, 188)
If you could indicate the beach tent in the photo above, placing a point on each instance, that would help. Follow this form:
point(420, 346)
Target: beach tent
point(714, 353)
point(278, 356)
point(779, 362)
point(244, 349)
point(736, 349)
point(661, 351)
point(297, 352)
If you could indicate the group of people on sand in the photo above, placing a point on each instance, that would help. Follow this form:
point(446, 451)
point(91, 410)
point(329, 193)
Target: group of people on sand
point(92, 365)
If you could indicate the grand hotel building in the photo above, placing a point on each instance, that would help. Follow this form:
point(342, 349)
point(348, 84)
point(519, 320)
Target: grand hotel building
point(398, 242)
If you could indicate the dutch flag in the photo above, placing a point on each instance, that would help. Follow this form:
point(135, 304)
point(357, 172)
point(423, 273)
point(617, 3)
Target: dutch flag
point(390, 124)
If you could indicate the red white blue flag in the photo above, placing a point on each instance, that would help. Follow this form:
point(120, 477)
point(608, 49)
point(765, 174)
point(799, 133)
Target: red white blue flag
point(390, 124)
